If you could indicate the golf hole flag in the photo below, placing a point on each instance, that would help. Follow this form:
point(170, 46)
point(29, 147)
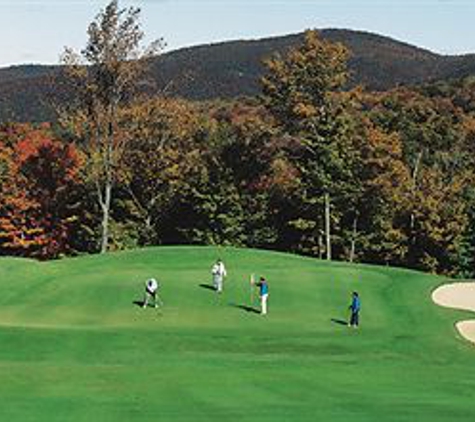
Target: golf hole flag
point(251, 286)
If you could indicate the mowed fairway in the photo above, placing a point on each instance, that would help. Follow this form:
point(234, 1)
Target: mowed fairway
point(74, 346)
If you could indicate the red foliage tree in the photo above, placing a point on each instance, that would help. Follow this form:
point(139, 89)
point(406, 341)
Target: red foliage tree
point(37, 207)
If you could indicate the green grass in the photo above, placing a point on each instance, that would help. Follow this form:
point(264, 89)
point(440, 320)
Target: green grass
point(74, 347)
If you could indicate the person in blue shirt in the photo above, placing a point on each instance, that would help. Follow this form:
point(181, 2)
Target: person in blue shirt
point(263, 293)
point(355, 308)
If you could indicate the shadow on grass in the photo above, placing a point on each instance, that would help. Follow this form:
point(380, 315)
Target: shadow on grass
point(339, 321)
point(207, 287)
point(138, 303)
point(246, 308)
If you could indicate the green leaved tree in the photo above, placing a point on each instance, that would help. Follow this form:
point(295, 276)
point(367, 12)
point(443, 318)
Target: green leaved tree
point(302, 91)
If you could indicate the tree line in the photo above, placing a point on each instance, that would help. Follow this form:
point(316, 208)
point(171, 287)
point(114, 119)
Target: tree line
point(306, 167)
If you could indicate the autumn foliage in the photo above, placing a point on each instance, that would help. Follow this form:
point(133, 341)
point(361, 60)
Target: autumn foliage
point(391, 174)
point(36, 209)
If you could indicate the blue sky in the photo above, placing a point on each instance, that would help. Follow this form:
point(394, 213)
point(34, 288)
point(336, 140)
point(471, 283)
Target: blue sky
point(36, 31)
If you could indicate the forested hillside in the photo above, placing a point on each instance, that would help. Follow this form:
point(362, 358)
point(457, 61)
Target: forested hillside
point(383, 177)
point(232, 69)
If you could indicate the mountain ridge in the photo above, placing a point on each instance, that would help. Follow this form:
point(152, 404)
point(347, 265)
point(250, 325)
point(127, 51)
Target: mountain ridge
point(229, 69)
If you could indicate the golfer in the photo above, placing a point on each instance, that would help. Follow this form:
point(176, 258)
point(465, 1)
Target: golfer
point(151, 292)
point(263, 293)
point(355, 308)
point(219, 273)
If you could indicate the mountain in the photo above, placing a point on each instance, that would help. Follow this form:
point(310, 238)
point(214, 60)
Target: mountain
point(232, 69)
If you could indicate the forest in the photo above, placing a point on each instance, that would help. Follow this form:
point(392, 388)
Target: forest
point(305, 166)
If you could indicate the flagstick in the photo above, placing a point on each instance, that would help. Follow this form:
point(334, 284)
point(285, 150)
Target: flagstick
point(252, 289)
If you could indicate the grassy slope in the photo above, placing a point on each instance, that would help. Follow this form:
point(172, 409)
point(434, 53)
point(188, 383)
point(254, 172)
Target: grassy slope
point(74, 347)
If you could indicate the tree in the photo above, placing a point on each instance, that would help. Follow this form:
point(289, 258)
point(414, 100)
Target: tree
point(440, 222)
point(437, 153)
point(105, 75)
point(160, 158)
point(298, 88)
point(384, 203)
point(231, 174)
point(251, 157)
point(301, 91)
point(38, 207)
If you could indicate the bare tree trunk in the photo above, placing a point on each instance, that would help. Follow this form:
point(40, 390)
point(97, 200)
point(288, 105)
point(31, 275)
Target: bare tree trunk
point(108, 176)
point(106, 217)
point(415, 173)
point(149, 221)
point(353, 239)
point(320, 245)
point(412, 218)
point(327, 227)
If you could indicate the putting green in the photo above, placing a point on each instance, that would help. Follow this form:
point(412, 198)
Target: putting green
point(74, 346)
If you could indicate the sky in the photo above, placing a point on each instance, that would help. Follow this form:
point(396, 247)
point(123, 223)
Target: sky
point(36, 31)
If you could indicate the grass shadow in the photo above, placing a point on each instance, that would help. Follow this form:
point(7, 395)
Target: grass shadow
point(141, 303)
point(207, 287)
point(246, 308)
point(339, 321)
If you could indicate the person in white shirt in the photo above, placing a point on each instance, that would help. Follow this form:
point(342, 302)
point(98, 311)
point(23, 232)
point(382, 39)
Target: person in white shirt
point(219, 273)
point(151, 292)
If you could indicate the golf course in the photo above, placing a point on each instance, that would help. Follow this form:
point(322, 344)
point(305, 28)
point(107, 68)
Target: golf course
point(76, 345)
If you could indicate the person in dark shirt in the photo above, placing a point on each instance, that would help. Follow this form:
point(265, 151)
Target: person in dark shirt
point(355, 308)
point(151, 292)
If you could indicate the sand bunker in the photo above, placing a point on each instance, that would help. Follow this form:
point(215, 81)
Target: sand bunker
point(458, 296)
